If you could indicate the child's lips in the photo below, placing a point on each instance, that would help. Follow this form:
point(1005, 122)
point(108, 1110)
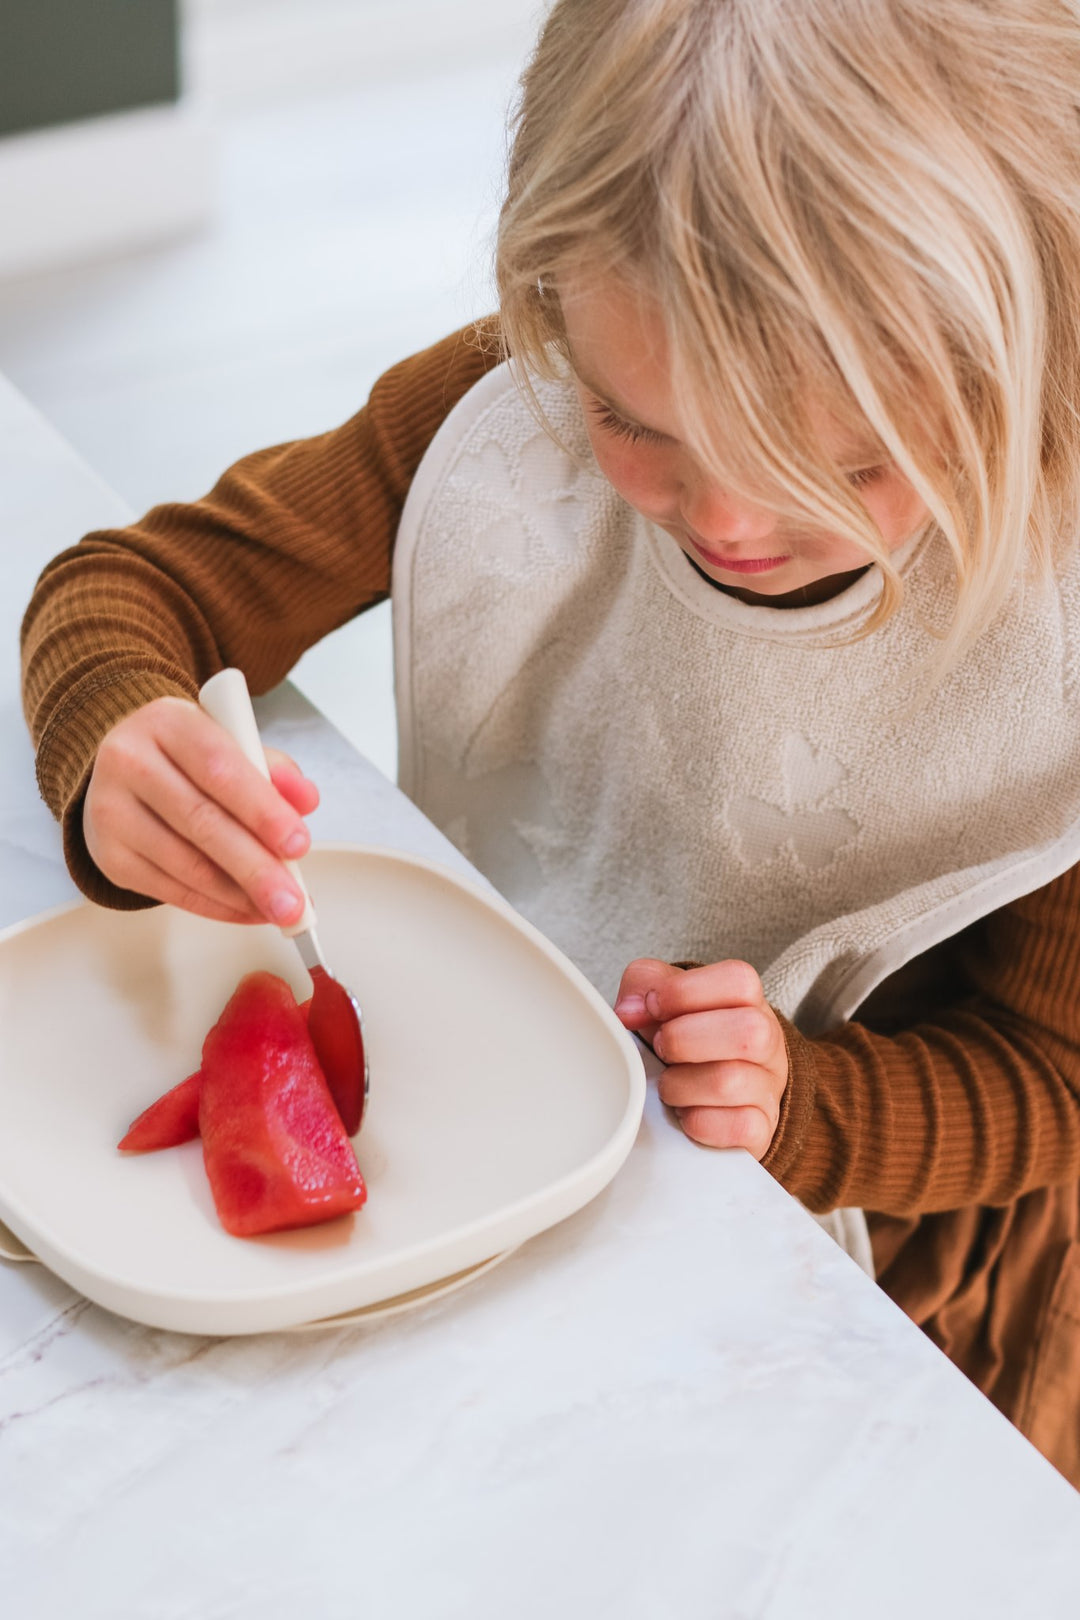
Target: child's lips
point(736, 565)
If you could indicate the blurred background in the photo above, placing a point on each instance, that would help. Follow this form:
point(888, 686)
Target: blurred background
point(222, 219)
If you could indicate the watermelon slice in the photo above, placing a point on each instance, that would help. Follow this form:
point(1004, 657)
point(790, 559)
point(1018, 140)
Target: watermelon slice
point(275, 1150)
point(171, 1120)
point(174, 1118)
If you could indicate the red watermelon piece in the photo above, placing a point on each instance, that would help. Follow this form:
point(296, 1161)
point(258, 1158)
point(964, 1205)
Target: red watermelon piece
point(171, 1120)
point(174, 1118)
point(275, 1150)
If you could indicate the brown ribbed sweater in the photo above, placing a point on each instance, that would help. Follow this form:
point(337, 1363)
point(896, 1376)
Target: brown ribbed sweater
point(960, 1083)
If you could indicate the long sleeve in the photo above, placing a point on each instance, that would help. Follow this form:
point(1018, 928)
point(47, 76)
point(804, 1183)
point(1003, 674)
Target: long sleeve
point(291, 543)
point(976, 1103)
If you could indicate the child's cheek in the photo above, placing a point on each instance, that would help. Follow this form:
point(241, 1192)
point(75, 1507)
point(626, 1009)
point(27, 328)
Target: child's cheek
point(638, 473)
point(896, 509)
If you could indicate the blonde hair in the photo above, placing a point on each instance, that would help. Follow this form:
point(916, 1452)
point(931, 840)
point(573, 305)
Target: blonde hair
point(876, 202)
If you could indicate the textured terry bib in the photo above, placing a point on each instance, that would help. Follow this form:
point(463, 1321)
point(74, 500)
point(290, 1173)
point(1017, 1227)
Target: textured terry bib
point(645, 766)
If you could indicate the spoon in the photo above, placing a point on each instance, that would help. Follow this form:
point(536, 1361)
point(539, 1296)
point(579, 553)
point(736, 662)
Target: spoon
point(334, 1022)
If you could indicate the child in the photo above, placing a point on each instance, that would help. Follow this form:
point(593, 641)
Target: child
point(737, 621)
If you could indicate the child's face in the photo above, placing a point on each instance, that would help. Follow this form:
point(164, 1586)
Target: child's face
point(617, 349)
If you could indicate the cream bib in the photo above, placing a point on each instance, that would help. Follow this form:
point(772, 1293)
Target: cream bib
point(645, 766)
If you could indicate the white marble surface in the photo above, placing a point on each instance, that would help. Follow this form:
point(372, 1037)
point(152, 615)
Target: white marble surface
point(683, 1401)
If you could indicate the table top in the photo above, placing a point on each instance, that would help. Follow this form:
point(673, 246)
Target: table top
point(684, 1400)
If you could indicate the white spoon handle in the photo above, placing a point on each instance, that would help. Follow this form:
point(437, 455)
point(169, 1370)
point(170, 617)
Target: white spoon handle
point(226, 699)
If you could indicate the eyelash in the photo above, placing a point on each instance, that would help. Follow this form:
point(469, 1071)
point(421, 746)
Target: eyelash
point(619, 428)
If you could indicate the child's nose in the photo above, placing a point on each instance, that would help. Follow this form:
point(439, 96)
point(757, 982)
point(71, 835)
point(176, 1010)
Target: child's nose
point(718, 515)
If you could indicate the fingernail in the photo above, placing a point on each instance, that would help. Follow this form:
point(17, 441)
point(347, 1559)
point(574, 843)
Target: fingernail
point(295, 844)
point(284, 905)
point(652, 1004)
point(630, 1007)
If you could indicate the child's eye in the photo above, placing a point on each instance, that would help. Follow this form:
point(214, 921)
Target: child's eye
point(620, 428)
point(866, 475)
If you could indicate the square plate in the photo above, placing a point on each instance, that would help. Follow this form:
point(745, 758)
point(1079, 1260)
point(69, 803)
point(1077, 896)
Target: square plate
point(504, 1095)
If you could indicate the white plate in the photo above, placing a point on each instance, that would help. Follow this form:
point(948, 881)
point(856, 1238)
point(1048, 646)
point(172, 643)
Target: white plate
point(504, 1096)
point(402, 1302)
point(18, 1254)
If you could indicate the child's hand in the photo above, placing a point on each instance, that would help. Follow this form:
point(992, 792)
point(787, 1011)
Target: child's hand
point(722, 1044)
point(176, 812)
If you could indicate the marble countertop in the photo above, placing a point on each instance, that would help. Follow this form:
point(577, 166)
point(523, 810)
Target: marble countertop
point(685, 1400)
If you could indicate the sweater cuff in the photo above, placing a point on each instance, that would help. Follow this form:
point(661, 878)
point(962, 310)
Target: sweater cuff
point(796, 1105)
point(66, 755)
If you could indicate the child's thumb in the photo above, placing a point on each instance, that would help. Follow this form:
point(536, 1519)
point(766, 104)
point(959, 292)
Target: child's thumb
point(642, 975)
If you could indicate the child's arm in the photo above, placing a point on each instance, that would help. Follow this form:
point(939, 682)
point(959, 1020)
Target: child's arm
point(291, 543)
point(976, 1103)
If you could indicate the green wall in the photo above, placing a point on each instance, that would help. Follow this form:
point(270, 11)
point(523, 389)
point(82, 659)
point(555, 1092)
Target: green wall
point(62, 60)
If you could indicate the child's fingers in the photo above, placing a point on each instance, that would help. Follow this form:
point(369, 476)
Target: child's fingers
point(717, 1085)
point(747, 1033)
point(206, 824)
point(203, 752)
point(720, 984)
point(173, 803)
point(291, 782)
point(721, 1044)
point(151, 880)
point(203, 885)
point(728, 1128)
point(139, 851)
point(173, 730)
point(632, 1012)
point(642, 976)
point(136, 789)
